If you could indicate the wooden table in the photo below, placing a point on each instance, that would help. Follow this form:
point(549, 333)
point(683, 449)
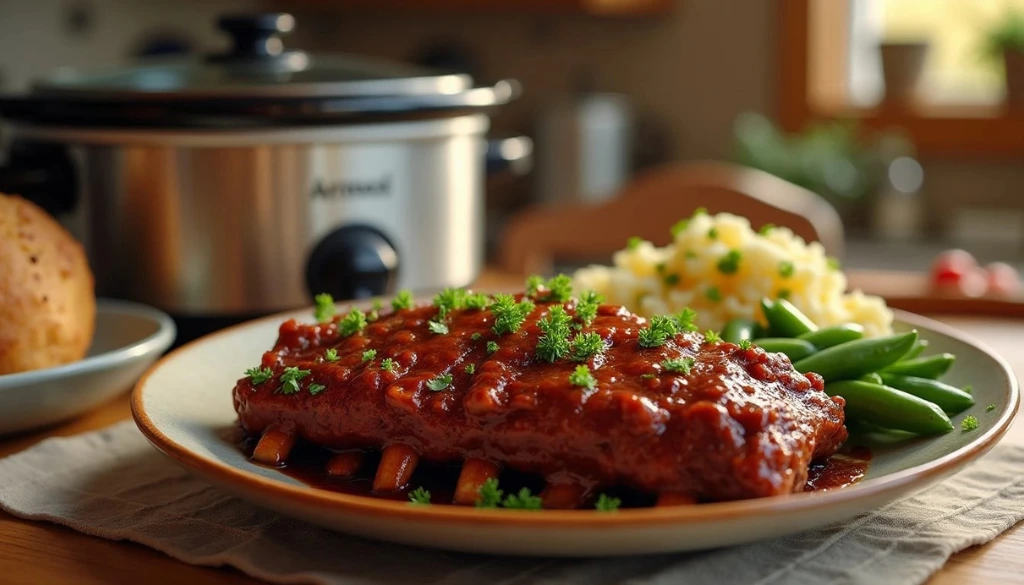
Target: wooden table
point(33, 553)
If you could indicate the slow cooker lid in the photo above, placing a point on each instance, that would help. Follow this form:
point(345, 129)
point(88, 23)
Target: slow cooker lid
point(257, 81)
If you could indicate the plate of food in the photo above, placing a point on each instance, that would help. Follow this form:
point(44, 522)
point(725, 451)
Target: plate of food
point(720, 390)
point(62, 352)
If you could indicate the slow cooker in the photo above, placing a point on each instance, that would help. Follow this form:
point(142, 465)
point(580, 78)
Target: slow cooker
point(246, 182)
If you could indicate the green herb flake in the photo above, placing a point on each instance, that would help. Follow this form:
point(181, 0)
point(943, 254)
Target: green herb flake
point(660, 267)
point(402, 300)
point(606, 503)
point(448, 300)
point(534, 282)
point(991, 407)
point(315, 389)
point(477, 336)
point(700, 211)
point(258, 376)
point(745, 344)
point(634, 243)
point(492, 346)
point(713, 233)
point(470, 369)
point(369, 354)
point(657, 332)
point(679, 227)
point(388, 364)
point(713, 294)
point(969, 423)
point(477, 301)
point(559, 289)
point(648, 376)
point(508, 314)
point(523, 500)
point(766, 229)
point(325, 308)
point(678, 365)
point(586, 308)
point(784, 293)
point(439, 383)
point(554, 343)
point(582, 377)
point(437, 327)
point(352, 323)
point(730, 263)
point(786, 269)
point(833, 263)
point(419, 497)
point(671, 279)
point(289, 379)
point(585, 346)
point(711, 337)
point(372, 316)
point(685, 320)
point(489, 495)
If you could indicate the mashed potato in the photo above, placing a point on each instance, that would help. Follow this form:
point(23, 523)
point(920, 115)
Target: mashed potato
point(721, 268)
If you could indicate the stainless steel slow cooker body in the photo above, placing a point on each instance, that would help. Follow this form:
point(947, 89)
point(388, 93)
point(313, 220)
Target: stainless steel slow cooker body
point(246, 182)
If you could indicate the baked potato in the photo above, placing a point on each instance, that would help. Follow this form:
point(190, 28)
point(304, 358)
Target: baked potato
point(47, 297)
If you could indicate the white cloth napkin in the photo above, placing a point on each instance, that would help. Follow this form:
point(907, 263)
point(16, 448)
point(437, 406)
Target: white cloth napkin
point(112, 484)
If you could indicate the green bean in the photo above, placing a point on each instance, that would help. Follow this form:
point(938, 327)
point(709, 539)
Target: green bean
point(835, 335)
point(872, 377)
point(932, 366)
point(736, 330)
point(795, 349)
point(785, 319)
point(890, 408)
point(949, 398)
point(921, 345)
point(853, 359)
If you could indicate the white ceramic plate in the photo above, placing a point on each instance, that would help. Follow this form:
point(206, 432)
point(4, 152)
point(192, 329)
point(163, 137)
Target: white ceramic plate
point(183, 405)
point(129, 337)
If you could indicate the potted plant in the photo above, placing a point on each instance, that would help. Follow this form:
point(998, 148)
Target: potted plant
point(902, 65)
point(1005, 42)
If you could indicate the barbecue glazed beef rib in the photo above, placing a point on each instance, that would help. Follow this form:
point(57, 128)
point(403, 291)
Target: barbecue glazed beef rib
point(728, 423)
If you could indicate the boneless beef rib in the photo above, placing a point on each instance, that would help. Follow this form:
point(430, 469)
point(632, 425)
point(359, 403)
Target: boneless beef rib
point(688, 418)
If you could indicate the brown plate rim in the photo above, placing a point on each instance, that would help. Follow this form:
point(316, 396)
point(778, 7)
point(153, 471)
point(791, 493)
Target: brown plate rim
point(895, 483)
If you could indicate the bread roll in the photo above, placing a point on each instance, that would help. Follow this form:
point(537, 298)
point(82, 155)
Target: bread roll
point(47, 298)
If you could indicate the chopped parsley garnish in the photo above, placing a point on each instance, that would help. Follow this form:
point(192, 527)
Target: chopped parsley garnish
point(582, 377)
point(470, 369)
point(523, 500)
point(449, 300)
point(585, 346)
point(489, 496)
point(745, 344)
point(352, 323)
point(586, 308)
point(330, 355)
point(492, 346)
point(477, 301)
point(439, 383)
point(671, 279)
point(786, 269)
point(690, 254)
point(713, 294)
point(730, 263)
point(634, 242)
point(657, 332)
point(419, 496)
point(554, 344)
point(476, 336)
point(606, 503)
point(991, 407)
point(387, 364)
point(259, 375)
point(700, 211)
point(437, 327)
point(559, 289)
point(833, 263)
point(969, 423)
point(678, 365)
point(375, 309)
point(315, 389)
point(766, 229)
point(685, 320)
point(369, 354)
point(711, 337)
point(533, 284)
point(290, 379)
point(508, 314)
point(679, 227)
point(660, 267)
point(713, 233)
point(402, 300)
point(784, 293)
point(324, 307)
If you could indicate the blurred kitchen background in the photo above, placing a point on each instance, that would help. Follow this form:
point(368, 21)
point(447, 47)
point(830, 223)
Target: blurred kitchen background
point(919, 155)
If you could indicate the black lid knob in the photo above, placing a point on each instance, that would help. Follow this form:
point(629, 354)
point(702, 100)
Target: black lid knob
point(352, 262)
point(256, 35)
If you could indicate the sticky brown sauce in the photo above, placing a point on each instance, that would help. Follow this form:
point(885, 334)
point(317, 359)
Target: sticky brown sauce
point(307, 464)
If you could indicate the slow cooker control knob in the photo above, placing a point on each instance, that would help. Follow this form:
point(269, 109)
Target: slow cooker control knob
point(353, 262)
